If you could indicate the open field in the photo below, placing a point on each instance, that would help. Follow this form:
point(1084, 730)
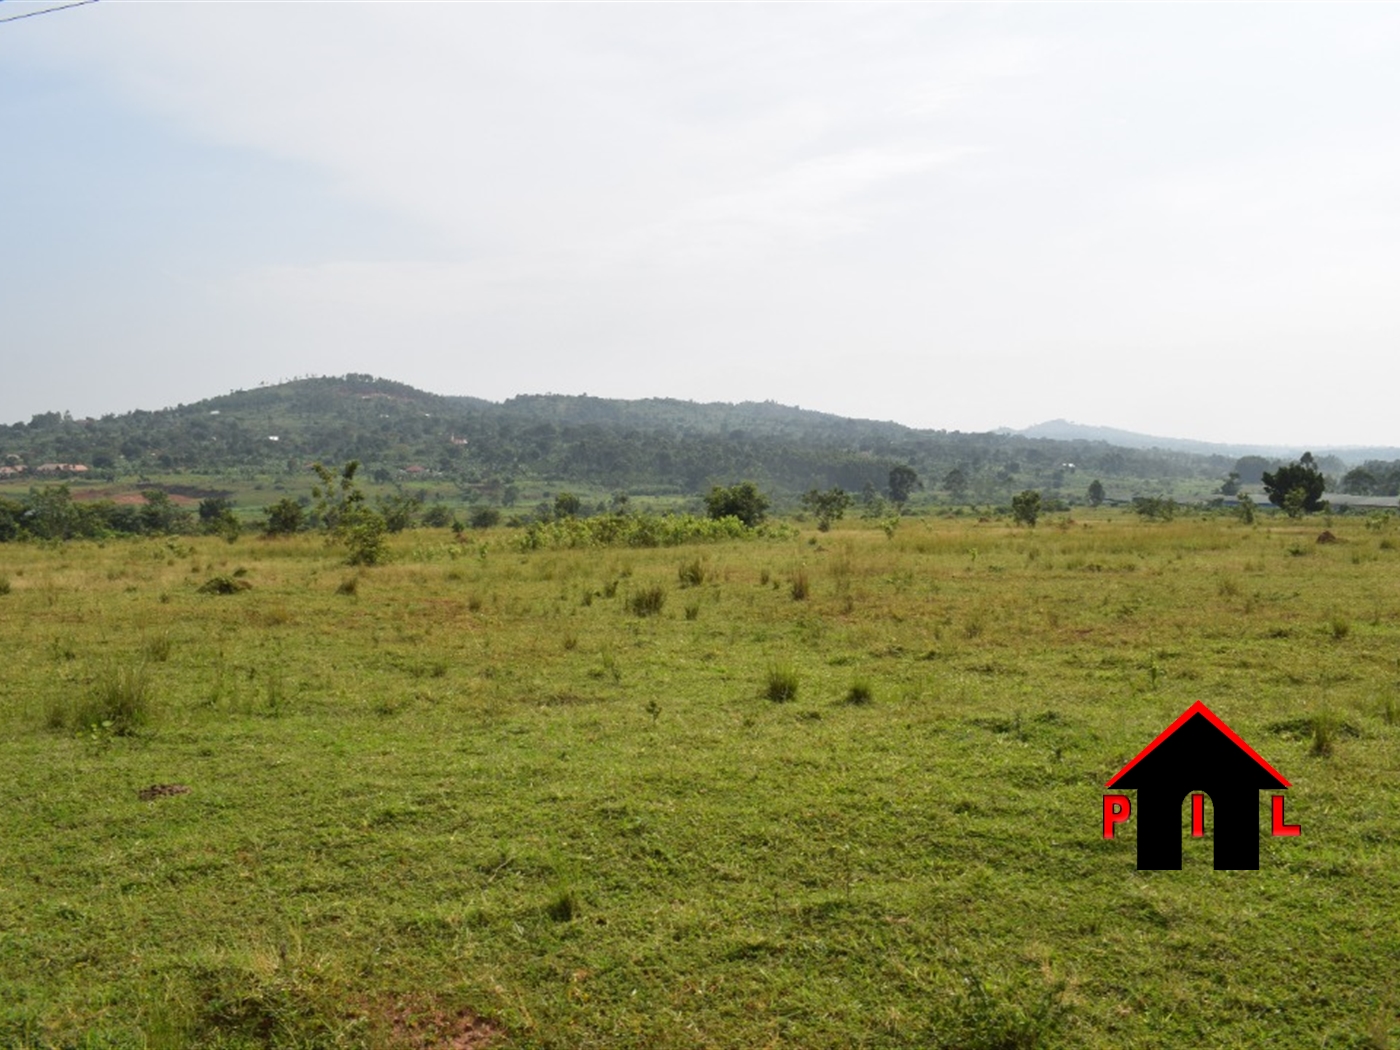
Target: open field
point(485, 797)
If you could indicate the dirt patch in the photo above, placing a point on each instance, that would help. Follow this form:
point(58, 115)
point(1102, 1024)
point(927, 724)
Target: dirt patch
point(420, 1022)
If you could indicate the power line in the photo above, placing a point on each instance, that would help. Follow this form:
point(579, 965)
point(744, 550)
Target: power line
point(48, 10)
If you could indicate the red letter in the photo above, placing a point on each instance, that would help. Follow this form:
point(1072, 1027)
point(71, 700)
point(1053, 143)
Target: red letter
point(1198, 816)
point(1116, 809)
point(1280, 828)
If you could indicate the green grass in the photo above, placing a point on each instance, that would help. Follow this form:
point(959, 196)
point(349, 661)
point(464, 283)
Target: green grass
point(460, 795)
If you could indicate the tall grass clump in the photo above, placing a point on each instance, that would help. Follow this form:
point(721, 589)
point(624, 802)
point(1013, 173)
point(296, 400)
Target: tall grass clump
point(801, 588)
point(648, 601)
point(4, 584)
point(692, 573)
point(117, 702)
point(860, 692)
point(782, 683)
point(1324, 735)
point(157, 647)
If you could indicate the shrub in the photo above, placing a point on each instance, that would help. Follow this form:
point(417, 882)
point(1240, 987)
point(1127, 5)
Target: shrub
point(438, 516)
point(284, 518)
point(224, 585)
point(648, 601)
point(742, 501)
point(485, 518)
point(1025, 507)
point(782, 683)
point(365, 541)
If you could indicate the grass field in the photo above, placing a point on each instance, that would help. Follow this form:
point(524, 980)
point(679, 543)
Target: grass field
point(659, 798)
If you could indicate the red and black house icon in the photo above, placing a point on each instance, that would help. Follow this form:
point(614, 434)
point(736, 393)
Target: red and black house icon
point(1197, 753)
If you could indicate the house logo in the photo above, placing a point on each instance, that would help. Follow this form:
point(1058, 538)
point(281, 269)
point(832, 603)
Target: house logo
point(1197, 755)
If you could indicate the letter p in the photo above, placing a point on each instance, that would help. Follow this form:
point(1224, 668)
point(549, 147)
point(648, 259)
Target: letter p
point(1116, 809)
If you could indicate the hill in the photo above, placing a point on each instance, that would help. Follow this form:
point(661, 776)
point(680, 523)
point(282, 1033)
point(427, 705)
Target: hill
point(1064, 430)
point(650, 446)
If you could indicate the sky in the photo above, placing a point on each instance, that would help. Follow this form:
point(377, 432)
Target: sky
point(1179, 219)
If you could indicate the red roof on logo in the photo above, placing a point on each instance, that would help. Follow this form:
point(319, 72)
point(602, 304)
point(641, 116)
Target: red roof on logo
point(1210, 716)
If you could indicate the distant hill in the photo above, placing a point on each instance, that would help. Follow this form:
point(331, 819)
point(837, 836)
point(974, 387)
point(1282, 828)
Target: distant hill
point(654, 445)
point(1064, 430)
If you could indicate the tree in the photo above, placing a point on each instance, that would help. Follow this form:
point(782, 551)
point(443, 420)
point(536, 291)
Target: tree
point(1025, 506)
point(827, 506)
point(1300, 475)
point(955, 482)
point(1095, 492)
point(903, 481)
point(1231, 485)
point(216, 518)
point(567, 505)
point(1251, 469)
point(1359, 482)
point(1155, 508)
point(485, 518)
point(344, 515)
point(741, 500)
point(399, 510)
point(1245, 511)
point(284, 518)
point(338, 499)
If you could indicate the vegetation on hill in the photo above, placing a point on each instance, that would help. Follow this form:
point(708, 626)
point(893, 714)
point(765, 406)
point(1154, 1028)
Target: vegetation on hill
point(653, 446)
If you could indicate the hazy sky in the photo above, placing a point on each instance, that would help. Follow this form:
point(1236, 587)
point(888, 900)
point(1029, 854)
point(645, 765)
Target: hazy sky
point(1182, 219)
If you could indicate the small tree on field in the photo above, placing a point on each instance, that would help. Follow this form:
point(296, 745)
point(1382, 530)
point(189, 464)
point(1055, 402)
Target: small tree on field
point(955, 481)
point(1245, 511)
point(346, 518)
point(903, 481)
point(827, 506)
point(567, 505)
point(284, 518)
point(485, 518)
point(1095, 492)
point(1025, 506)
point(399, 510)
point(742, 501)
point(1302, 475)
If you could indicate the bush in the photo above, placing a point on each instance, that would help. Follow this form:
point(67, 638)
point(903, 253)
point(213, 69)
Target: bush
point(485, 518)
point(284, 518)
point(742, 501)
point(1025, 507)
point(365, 541)
point(438, 516)
point(224, 585)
